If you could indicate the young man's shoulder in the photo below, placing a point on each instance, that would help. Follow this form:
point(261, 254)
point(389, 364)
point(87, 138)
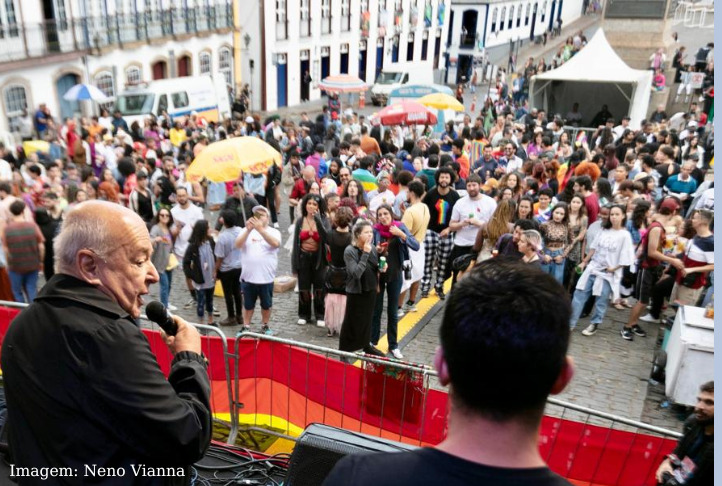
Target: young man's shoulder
point(432, 467)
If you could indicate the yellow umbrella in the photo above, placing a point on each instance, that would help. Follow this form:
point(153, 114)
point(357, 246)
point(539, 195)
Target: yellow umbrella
point(225, 160)
point(441, 101)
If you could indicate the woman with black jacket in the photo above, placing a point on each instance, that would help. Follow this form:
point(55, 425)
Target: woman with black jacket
point(362, 273)
point(308, 260)
point(200, 265)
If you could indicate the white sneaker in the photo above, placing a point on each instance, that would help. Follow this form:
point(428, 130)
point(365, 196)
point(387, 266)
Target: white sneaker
point(320, 323)
point(172, 308)
point(410, 307)
point(301, 322)
point(400, 313)
point(295, 289)
point(590, 330)
point(397, 354)
point(648, 318)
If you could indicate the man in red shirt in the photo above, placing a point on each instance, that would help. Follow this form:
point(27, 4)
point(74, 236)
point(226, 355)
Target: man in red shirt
point(457, 149)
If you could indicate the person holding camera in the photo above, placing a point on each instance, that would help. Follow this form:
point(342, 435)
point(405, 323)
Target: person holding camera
point(692, 461)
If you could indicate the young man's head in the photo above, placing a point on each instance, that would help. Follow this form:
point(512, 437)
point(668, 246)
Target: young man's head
point(621, 173)
point(444, 177)
point(704, 409)
point(545, 198)
point(504, 340)
point(416, 191)
point(181, 195)
point(230, 218)
point(701, 219)
point(473, 186)
point(457, 147)
point(521, 226)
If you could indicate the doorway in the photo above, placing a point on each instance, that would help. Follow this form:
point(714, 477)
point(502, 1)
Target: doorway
point(68, 109)
point(533, 22)
point(160, 70)
point(305, 80)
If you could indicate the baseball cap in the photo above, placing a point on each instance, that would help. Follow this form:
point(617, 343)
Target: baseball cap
point(141, 174)
point(259, 208)
point(669, 203)
point(107, 137)
point(249, 119)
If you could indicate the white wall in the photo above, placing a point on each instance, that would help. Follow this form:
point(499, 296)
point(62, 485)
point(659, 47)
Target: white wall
point(40, 81)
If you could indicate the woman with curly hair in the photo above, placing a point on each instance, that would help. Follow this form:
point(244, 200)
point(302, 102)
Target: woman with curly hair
point(587, 168)
point(308, 259)
point(552, 169)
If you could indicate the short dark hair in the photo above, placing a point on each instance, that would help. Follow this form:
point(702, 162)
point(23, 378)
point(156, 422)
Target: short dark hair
point(707, 387)
point(458, 143)
point(404, 177)
point(17, 207)
point(505, 335)
point(417, 188)
point(433, 161)
point(546, 192)
point(230, 218)
point(585, 181)
point(527, 224)
point(5, 187)
point(474, 178)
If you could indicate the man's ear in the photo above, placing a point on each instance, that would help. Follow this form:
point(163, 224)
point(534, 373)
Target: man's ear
point(565, 376)
point(441, 367)
point(87, 267)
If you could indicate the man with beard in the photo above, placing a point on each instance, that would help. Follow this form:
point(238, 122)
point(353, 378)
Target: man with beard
point(508, 243)
point(470, 213)
point(691, 462)
point(439, 239)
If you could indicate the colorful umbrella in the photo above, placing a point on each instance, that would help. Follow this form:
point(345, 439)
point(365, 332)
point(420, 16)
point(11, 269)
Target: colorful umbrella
point(82, 92)
point(343, 83)
point(406, 113)
point(441, 101)
point(225, 160)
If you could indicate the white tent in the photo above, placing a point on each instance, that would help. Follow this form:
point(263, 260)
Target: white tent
point(595, 76)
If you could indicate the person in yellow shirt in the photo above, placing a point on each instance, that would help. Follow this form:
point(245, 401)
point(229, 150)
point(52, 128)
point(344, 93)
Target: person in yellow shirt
point(177, 134)
point(416, 218)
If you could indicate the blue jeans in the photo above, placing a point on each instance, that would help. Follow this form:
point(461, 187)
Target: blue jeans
point(600, 306)
point(556, 270)
point(204, 298)
point(24, 282)
point(393, 290)
point(166, 279)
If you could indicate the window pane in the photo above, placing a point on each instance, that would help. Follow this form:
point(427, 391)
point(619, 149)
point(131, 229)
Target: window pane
point(15, 100)
point(180, 100)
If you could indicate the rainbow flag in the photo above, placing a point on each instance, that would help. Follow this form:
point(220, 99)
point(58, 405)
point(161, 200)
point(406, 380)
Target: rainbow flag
point(366, 178)
point(581, 138)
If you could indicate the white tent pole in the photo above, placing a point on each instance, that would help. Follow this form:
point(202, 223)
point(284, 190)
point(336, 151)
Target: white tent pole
point(623, 93)
point(536, 91)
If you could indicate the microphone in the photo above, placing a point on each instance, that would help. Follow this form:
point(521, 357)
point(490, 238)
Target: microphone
point(157, 313)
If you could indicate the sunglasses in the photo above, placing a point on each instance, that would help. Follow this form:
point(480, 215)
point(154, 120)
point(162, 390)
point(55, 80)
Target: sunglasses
point(164, 215)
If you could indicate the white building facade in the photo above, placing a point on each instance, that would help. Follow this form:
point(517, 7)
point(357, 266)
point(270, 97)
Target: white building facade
point(487, 24)
point(47, 46)
point(284, 39)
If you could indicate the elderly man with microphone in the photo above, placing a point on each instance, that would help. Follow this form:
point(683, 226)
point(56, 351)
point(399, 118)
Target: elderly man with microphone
point(87, 401)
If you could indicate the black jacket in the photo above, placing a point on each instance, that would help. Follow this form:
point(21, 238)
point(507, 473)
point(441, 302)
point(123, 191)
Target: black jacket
point(700, 448)
point(83, 388)
point(192, 262)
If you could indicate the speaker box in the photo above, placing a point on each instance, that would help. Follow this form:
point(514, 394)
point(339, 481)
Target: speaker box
point(320, 447)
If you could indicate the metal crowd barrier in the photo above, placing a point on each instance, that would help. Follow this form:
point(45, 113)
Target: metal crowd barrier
point(576, 441)
point(209, 346)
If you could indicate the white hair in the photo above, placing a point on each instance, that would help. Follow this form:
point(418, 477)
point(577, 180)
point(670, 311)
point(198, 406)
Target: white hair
point(534, 239)
point(81, 229)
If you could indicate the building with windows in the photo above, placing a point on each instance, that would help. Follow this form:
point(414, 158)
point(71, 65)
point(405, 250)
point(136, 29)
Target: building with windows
point(47, 46)
point(476, 25)
point(282, 40)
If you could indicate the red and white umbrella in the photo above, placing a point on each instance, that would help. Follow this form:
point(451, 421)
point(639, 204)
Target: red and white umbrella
point(406, 113)
point(342, 83)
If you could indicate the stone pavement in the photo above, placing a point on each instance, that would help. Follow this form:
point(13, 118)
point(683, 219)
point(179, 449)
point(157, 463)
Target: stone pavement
point(611, 373)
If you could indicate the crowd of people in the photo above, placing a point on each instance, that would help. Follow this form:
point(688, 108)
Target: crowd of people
point(383, 211)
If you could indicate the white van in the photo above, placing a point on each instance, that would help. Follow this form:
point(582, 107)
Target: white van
point(396, 76)
point(206, 96)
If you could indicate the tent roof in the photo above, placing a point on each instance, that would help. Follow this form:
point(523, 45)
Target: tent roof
point(596, 62)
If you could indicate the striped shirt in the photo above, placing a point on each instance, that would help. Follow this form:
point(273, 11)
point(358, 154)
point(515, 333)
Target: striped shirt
point(22, 239)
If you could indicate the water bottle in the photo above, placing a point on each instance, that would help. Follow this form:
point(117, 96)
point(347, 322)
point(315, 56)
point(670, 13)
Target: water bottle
point(382, 263)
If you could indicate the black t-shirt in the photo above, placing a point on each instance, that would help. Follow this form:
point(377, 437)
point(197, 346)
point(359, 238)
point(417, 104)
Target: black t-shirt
point(166, 189)
point(440, 208)
point(434, 468)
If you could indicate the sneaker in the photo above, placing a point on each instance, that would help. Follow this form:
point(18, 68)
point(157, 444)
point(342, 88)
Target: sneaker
point(648, 318)
point(320, 323)
point(216, 312)
point(397, 354)
point(228, 321)
point(267, 331)
point(627, 334)
point(301, 322)
point(172, 308)
point(410, 306)
point(441, 294)
point(190, 304)
point(400, 313)
point(639, 331)
point(424, 295)
point(590, 330)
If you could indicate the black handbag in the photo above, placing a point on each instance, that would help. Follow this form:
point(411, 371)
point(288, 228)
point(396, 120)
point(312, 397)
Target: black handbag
point(335, 280)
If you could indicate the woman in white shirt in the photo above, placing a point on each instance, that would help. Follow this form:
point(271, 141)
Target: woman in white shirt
point(608, 253)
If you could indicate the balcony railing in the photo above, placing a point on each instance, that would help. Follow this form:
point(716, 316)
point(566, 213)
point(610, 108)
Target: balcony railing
point(18, 42)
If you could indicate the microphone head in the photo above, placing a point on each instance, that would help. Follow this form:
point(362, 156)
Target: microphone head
point(156, 312)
